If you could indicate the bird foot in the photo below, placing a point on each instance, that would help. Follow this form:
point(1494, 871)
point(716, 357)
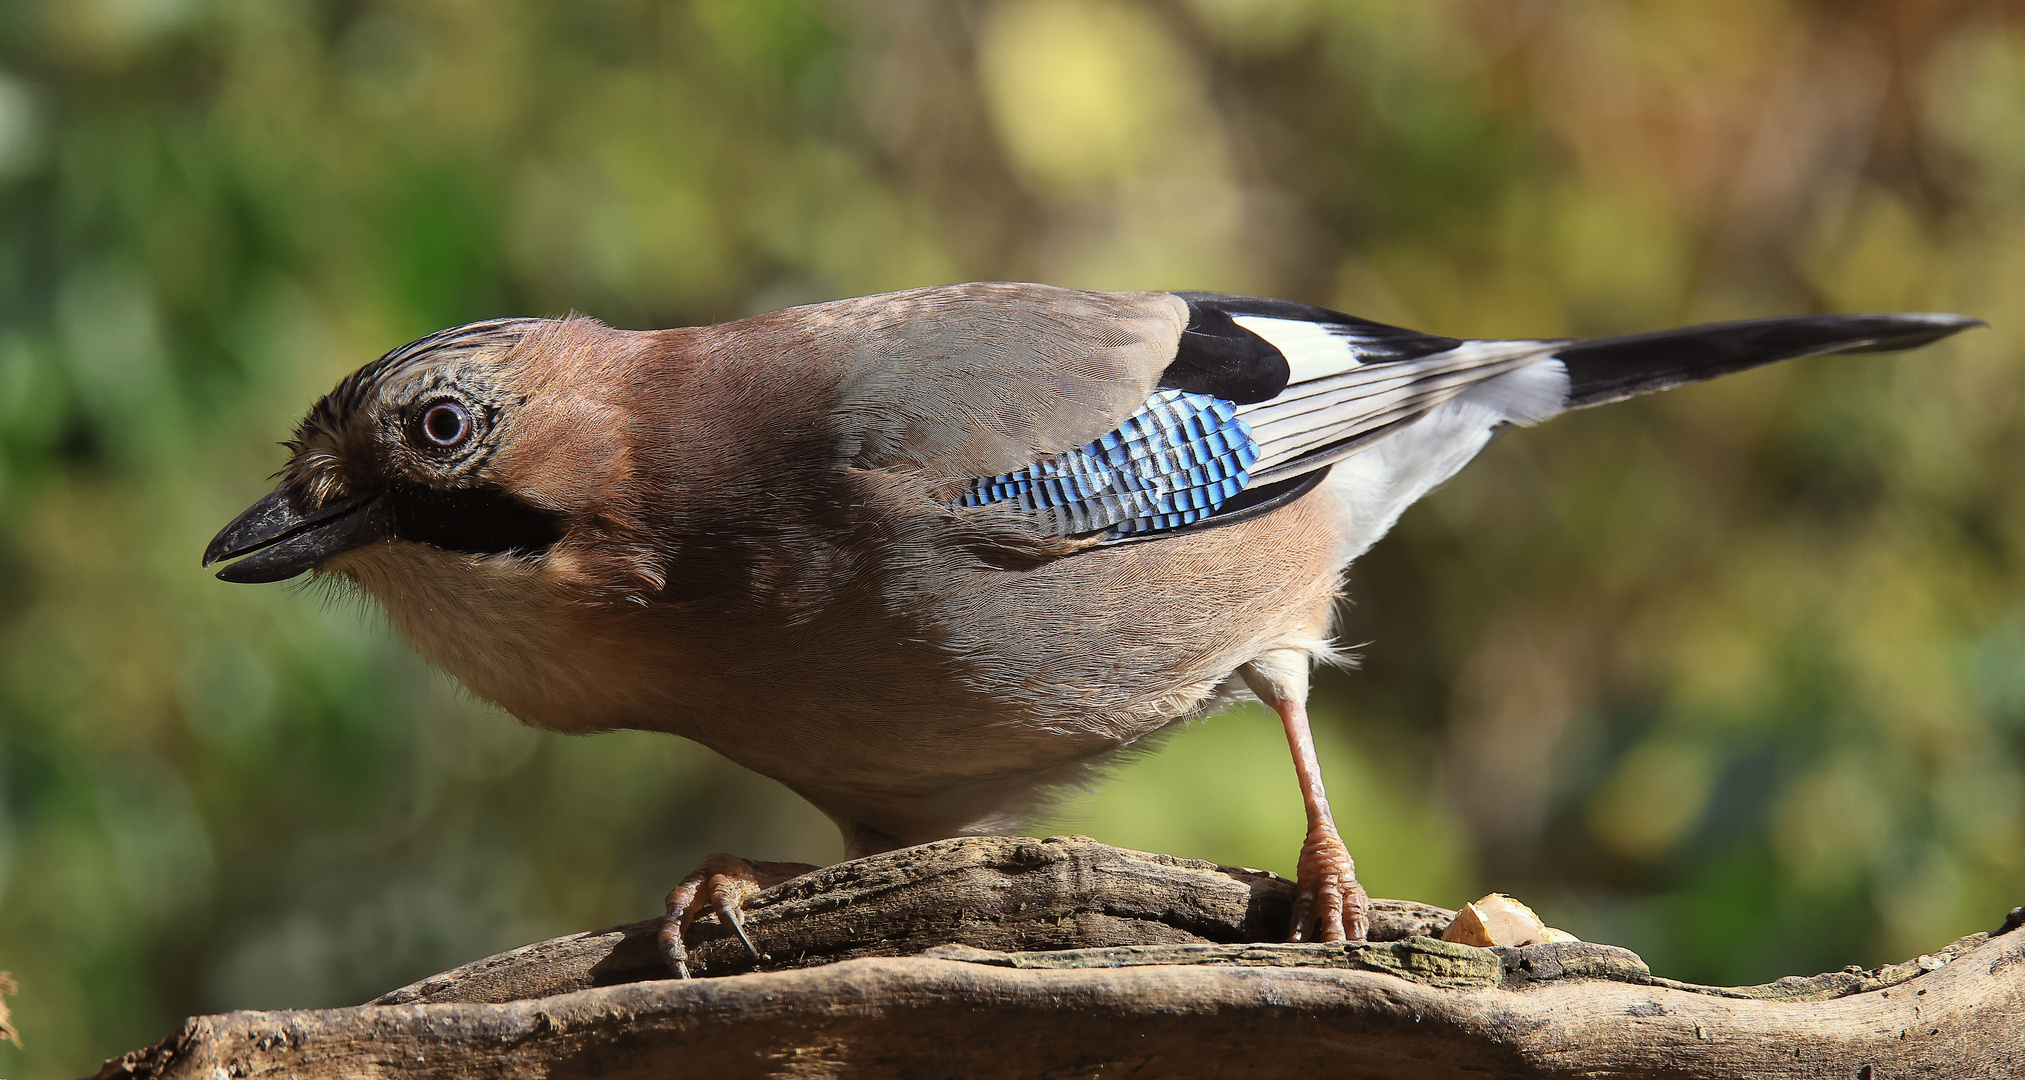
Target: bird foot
point(1329, 905)
point(720, 884)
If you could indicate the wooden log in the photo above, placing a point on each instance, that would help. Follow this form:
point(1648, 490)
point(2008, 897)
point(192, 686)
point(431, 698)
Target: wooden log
point(1011, 957)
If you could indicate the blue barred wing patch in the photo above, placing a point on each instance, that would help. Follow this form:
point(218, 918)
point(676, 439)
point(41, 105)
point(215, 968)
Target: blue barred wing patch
point(1170, 464)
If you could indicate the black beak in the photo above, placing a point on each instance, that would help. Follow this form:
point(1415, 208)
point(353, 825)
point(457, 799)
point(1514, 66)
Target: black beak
point(281, 539)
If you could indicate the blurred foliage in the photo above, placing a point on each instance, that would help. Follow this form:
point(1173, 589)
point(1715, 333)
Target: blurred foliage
point(1734, 676)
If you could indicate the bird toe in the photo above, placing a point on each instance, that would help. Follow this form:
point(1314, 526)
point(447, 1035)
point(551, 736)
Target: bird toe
point(1329, 904)
point(719, 886)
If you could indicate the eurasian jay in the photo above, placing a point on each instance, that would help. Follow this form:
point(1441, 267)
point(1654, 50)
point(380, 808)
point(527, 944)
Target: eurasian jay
point(924, 557)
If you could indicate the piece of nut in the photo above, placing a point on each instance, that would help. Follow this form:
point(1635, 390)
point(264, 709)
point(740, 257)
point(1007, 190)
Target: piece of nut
point(1498, 919)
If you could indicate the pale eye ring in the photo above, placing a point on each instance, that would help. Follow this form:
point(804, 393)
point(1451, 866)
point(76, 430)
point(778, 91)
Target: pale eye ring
point(445, 424)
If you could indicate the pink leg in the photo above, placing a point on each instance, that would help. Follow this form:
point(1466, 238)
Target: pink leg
point(1329, 905)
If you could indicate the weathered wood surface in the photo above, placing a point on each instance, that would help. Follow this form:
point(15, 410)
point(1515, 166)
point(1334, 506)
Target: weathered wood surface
point(1007, 957)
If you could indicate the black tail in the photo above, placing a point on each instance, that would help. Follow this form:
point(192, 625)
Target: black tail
point(1613, 369)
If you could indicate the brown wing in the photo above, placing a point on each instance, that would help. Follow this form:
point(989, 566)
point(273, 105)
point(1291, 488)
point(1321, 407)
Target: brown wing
point(981, 379)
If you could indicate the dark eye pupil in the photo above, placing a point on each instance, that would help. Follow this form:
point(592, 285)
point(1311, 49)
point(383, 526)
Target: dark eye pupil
point(446, 424)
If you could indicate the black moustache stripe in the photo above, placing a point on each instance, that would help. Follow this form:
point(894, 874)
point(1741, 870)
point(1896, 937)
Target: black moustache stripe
point(479, 521)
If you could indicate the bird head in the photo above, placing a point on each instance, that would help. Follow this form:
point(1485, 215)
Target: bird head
point(472, 453)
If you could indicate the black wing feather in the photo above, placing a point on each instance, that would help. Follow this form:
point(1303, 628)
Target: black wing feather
point(1376, 342)
point(1220, 358)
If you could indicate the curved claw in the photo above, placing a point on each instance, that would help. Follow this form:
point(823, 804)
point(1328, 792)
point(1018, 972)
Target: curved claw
point(727, 908)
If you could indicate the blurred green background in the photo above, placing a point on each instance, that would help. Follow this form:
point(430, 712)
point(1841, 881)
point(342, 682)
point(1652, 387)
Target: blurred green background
point(1734, 676)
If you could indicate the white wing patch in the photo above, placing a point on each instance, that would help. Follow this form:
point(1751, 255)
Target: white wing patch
point(1368, 401)
point(1311, 349)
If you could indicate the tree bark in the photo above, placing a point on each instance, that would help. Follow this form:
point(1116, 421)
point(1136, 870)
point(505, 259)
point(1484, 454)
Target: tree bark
point(1009, 957)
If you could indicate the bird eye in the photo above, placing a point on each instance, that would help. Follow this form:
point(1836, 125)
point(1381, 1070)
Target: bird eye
point(446, 424)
